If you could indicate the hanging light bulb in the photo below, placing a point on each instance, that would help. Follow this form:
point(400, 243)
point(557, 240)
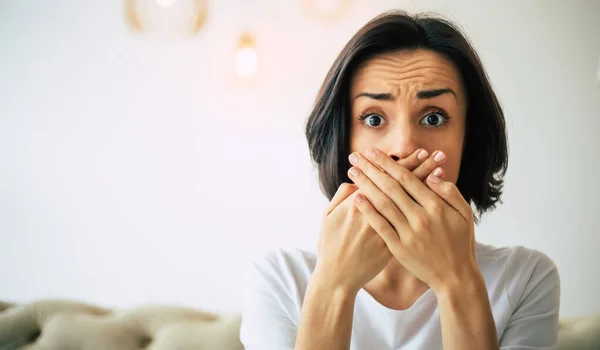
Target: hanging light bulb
point(163, 16)
point(327, 9)
point(246, 57)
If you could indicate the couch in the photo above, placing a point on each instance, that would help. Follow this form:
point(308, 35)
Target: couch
point(70, 325)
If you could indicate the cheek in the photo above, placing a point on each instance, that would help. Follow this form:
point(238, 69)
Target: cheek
point(362, 139)
point(451, 168)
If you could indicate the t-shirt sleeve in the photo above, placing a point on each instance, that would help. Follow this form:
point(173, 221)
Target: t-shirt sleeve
point(533, 287)
point(267, 307)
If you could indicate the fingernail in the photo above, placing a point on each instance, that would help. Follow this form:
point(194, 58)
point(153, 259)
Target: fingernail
point(422, 155)
point(440, 156)
point(358, 198)
point(435, 176)
point(434, 179)
point(353, 158)
point(371, 154)
point(354, 171)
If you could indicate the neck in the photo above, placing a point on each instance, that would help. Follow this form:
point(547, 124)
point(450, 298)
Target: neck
point(395, 287)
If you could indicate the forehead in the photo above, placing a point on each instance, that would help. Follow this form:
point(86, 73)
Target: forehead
point(405, 72)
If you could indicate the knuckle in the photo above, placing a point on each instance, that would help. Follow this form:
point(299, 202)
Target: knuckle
point(397, 217)
point(448, 188)
point(420, 223)
point(404, 177)
point(384, 205)
point(408, 241)
point(369, 167)
point(437, 210)
point(343, 187)
point(388, 185)
point(346, 187)
point(379, 225)
point(365, 225)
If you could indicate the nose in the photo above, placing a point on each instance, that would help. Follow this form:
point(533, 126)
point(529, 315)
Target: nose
point(402, 142)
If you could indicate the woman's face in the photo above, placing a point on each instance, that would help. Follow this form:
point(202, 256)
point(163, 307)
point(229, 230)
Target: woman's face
point(408, 100)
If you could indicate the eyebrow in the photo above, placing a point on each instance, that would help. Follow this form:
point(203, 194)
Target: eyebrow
point(421, 95)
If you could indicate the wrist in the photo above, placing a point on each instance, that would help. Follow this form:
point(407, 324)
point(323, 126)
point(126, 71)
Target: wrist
point(467, 283)
point(333, 300)
point(466, 315)
point(328, 282)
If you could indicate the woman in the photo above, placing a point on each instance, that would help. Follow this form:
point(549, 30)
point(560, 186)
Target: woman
point(407, 133)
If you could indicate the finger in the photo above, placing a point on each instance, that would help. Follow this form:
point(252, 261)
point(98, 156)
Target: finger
point(381, 188)
point(380, 224)
point(419, 192)
point(425, 168)
point(342, 193)
point(449, 192)
point(414, 160)
point(420, 163)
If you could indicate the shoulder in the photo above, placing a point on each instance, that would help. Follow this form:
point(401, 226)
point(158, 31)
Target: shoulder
point(274, 284)
point(517, 269)
point(282, 262)
point(281, 271)
point(515, 260)
point(523, 258)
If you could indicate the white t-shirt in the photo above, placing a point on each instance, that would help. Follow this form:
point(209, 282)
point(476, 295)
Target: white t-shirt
point(523, 287)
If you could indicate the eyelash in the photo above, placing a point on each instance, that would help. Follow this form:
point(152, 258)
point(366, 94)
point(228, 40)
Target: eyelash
point(367, 114)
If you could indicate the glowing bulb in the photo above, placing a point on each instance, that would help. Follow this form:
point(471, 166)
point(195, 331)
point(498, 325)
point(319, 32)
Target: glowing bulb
point(331, 9)
point(165, 3)
point(328, 7)
point(246, 61)
point(246, 57)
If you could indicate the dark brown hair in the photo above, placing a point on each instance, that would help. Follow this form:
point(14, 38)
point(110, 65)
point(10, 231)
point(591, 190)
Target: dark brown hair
point(485, 152)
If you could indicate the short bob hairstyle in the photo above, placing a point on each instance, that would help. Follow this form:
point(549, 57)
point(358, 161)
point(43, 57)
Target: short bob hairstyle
point(485, 151)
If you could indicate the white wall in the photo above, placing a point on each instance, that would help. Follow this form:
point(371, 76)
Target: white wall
point(137, 169)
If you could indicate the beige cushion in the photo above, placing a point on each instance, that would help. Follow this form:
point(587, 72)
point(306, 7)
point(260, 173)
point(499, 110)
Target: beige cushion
point(66, 325)
point(580, 333)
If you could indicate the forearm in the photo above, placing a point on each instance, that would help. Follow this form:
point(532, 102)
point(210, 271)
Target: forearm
point(466, 316)
point(326, 318)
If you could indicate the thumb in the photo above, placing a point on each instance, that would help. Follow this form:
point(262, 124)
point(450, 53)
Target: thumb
point(342, 193)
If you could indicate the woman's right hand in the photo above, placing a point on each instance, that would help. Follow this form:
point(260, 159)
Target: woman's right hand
point(350, 252)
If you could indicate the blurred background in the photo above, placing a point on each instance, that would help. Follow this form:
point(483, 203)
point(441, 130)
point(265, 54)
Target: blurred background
point(149, 150)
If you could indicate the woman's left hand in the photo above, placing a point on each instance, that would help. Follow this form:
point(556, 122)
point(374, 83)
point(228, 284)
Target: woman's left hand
point(430, 234)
